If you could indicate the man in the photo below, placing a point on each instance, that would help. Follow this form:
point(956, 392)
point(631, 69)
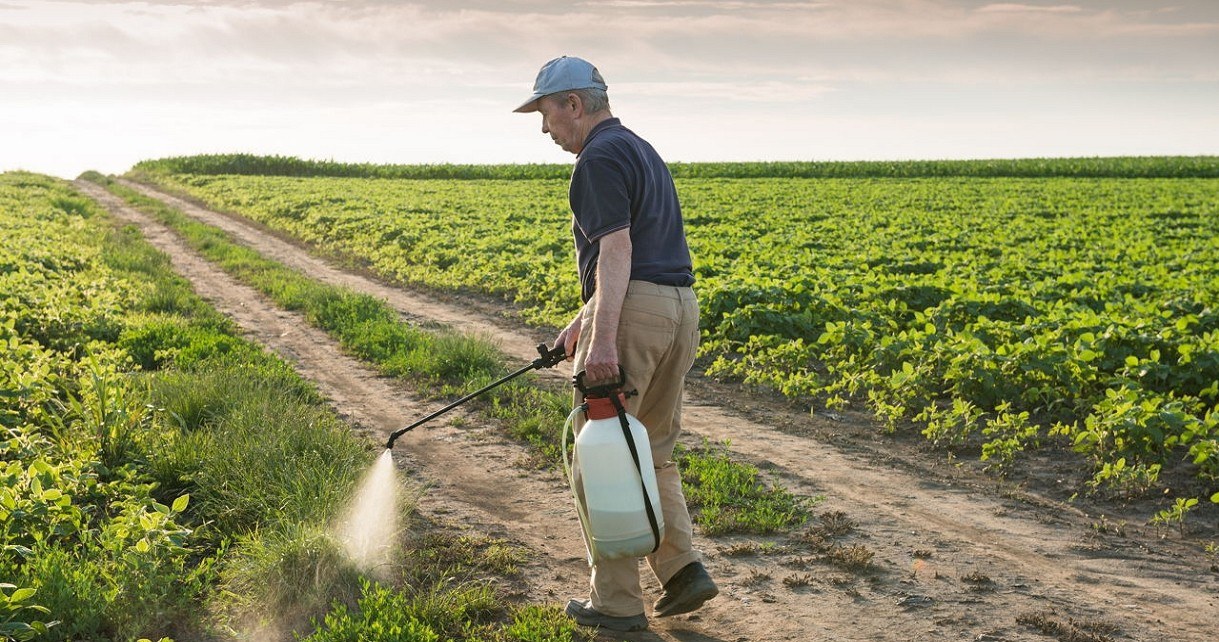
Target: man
point(639, 311)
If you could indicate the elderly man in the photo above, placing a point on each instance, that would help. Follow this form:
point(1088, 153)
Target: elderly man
point(639, 312)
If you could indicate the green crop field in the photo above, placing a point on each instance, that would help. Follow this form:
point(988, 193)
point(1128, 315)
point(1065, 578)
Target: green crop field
point(1001, 306)
point(1013, 308)
point(162, 478)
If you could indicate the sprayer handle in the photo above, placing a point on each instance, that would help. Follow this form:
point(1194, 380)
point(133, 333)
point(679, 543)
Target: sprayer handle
point(548, 358)
point(604, 389)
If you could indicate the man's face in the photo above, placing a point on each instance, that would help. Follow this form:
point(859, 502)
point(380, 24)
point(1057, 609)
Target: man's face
point(560, 120)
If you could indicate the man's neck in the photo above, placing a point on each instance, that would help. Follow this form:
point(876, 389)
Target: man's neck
point(595, 119)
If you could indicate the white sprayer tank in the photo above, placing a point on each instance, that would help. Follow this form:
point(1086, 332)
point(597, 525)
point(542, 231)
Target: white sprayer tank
point(609, 489)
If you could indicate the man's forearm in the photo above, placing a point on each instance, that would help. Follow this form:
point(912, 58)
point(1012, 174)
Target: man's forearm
point(613, 275)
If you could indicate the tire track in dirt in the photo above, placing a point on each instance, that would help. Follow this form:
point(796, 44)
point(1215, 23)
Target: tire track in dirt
point(1033, 560)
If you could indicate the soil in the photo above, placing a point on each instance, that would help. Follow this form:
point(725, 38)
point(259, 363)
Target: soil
point(956, 553)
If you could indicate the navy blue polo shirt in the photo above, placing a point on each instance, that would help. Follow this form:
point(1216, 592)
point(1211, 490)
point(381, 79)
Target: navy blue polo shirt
point(619, 181)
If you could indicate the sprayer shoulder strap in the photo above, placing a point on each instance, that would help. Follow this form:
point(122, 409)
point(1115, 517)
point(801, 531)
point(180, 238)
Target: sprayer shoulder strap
point(630, 443)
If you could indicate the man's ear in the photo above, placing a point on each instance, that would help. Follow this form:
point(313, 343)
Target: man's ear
point(574, 103)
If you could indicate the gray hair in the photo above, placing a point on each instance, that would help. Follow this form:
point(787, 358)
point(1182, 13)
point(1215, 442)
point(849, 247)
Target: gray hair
point(595, 100)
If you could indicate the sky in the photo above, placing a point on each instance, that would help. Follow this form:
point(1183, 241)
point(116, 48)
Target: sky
point(102, 85)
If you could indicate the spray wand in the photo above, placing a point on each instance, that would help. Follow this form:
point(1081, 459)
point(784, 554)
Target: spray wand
point(547, 358)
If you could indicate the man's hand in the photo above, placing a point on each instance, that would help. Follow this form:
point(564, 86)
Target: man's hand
point(570, 336)
point(601, 362)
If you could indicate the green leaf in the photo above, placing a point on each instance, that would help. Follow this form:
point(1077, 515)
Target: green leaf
point(22, 594)
point(1215, 498)
point(23, 551)
point(142, 546)
point(180, 503)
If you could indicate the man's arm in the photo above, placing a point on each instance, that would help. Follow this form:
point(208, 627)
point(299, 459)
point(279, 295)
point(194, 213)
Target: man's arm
point(613, 275)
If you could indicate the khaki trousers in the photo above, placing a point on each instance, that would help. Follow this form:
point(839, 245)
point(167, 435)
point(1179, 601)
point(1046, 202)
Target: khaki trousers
point(657, 339)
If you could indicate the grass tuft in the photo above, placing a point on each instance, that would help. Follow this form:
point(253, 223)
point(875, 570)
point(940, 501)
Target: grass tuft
point(730, 496)
point(1047, 623)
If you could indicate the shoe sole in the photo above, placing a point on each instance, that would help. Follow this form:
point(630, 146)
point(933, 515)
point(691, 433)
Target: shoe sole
point(693, 602)
point(622, 625)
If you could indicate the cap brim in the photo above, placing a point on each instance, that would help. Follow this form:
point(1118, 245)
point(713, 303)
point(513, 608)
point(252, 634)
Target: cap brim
point(530, 105)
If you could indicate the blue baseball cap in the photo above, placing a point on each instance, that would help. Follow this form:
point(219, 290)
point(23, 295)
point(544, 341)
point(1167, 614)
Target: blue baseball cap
point(562, 74)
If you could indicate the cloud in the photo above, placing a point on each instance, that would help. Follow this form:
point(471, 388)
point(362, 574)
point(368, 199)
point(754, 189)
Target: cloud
point(235, 68)
point(725, 5)
point(1024, 8)
point(773, 92)
point(720, 51)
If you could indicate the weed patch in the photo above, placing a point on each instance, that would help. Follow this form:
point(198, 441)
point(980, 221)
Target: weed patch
point(855, 557)
point(798, 580)
point(730, 496)
point(1048, 623)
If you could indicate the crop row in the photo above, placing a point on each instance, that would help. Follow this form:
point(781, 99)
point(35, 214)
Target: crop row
point(92, 545)
point(1096, 167)
point(1007, 312)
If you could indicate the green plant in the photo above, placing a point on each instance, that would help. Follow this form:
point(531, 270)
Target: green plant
point(533, 623)
point(727, 496)
point(381, 614)
point(107, 409)
point(287, 575)
point(1008, 434)
point(36, 495)
point(1176, 513)
point(16, 608)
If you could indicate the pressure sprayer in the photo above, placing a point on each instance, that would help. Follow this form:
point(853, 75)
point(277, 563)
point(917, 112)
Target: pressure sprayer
point(611, 475)
point(547, 358)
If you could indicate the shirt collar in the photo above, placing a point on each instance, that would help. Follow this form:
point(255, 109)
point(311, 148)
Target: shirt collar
point(598, 128)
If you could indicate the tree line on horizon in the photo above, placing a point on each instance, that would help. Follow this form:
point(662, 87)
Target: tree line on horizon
point(1080, 167)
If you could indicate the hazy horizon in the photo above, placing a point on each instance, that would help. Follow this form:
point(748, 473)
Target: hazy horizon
point(101, 85)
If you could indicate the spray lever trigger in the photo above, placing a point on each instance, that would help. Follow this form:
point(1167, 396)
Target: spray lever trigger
point(548, 358)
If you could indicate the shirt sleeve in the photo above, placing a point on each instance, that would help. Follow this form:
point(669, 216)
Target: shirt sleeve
point(600, 199)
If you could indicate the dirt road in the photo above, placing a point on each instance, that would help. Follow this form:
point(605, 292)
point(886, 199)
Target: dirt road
point(955, 555)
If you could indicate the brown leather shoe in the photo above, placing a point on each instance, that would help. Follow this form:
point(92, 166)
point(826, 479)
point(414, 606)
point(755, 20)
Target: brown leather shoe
point(686, 591)
point(584, 614)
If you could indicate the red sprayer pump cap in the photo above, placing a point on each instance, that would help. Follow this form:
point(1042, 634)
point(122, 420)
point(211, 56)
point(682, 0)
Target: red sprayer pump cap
point(603, 407)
